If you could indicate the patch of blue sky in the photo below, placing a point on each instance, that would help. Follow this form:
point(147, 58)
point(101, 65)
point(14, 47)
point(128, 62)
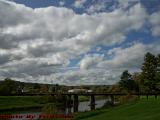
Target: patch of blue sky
point(75, 61)
point(38, 3)
point(140, 36)
point(151, 5)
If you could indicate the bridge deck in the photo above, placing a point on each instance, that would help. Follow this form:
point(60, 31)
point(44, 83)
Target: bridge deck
point(86, 94)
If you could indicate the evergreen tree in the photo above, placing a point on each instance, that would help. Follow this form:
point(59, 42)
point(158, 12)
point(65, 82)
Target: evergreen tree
point(158, 63)
point(157, 77)
point(149, 71)
point(126, 81)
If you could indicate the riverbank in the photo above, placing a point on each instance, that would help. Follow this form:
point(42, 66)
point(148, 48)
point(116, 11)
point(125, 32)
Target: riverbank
point(12, 103)
point(87, 98)
point(17, 103)
point(142, 109)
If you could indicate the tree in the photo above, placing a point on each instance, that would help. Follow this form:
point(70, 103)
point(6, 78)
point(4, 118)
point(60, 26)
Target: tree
point(138, 82)
point(8, 87)
point(157, 77)
point(149, 71)
point(126, 81)
point(158, 64)
point(44, 88)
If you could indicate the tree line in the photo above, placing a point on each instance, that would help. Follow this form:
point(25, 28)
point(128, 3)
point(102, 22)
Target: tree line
point(146, 81)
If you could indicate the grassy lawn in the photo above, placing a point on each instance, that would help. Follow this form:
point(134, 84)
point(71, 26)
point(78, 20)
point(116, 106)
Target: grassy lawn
point(83, 98)
point(20, 102)
point(140, 110)
point(87, 98)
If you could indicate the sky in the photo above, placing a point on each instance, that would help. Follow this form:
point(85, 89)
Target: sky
point(76, 42)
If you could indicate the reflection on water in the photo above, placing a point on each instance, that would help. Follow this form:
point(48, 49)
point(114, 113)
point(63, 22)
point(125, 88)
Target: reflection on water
point(83, 106)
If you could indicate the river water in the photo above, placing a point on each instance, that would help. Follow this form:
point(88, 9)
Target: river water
point(83, 106)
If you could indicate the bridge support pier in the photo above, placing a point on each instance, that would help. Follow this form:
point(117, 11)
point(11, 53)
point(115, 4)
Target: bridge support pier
point(69, 103)
point(64, 97)
point(75, 103)
point(112, 99)
point(92, 102)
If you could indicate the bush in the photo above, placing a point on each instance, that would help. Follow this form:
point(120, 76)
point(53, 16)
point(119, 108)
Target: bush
point(49, 108)
point(108, 104)
point(127, 98)
point(48, 99)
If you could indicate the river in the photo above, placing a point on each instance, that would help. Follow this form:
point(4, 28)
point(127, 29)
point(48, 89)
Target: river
point(83, 106)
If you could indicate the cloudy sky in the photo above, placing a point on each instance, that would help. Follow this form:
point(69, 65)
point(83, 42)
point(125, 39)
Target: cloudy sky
point(76, 42)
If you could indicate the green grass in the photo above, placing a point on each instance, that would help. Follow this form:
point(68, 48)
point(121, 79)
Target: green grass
point(83, 98)
point(87, 98)
point(140, 110)
point(20, 102)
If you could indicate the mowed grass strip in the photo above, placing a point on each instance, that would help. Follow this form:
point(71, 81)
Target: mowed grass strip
point(140, 110)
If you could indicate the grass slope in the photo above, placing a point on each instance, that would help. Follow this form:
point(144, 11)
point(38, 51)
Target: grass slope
point(19, 102)
point(140, 110)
